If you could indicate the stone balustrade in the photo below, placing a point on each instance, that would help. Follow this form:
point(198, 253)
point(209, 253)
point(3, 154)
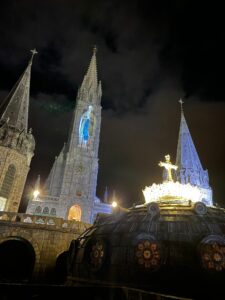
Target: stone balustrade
point(47, 198)
point(53, 222)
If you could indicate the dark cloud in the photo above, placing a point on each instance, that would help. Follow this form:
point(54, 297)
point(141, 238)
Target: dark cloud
point(151, 53)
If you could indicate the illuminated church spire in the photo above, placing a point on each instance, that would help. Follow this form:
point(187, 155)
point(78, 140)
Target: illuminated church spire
point(90, 88)
point(91, 77)
point(189, 166)
point(73, 179)
point(17, 144)
point(88, 105)
point(16, 112)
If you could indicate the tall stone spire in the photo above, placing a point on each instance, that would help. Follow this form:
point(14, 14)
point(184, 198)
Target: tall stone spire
point(16, 112)
point(16, 143)
point(189, 166)
point(91, 77)
point(71, 185)
point(88, 101)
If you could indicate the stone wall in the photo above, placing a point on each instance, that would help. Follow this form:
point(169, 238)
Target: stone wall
point(49, 237)
point(12, 157)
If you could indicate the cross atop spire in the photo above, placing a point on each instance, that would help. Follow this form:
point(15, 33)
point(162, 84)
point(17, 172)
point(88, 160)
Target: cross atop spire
point(33, 51)
point(16, 112)
point(95, 49)
point(181, 104)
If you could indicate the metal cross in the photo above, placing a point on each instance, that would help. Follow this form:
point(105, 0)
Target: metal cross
point(181, 103)
point(33, 51)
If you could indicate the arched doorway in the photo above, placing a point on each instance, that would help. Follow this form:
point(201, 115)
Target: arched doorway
point(61, 268)
point(75, 213)
point(17, 259)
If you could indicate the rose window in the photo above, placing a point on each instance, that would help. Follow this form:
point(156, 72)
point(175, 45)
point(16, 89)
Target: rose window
point(213, 256)
point(97, 254)
point(147, 254)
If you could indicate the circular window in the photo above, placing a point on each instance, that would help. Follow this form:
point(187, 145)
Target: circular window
point(213, 255)
point(147, 254)
point(153, 208)
point(200, 208)
point(97, 254)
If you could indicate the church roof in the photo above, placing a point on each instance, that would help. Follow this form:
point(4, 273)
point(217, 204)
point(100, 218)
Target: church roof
point(150, 245)
point(54, 180)
point(16, 113)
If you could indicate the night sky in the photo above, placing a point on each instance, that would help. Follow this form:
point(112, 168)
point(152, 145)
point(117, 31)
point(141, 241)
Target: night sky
point(150, 54)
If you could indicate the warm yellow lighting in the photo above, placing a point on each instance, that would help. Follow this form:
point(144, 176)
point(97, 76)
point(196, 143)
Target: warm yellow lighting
point(168, 166)
point(114, 204)
point(171, 190)
point(36, 193)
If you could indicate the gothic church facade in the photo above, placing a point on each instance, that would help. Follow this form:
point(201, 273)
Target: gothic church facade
point(70, 189)
point(16, 143)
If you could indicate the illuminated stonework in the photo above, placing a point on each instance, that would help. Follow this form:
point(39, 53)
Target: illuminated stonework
point(147, 254)
point(190, 169)
point(171, 190)
point(73, 177)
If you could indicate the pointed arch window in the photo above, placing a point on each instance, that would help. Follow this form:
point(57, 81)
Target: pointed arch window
point(8, 182)
point(38, 210)
point(53, 211)
point(75, 213)
point(46, 211)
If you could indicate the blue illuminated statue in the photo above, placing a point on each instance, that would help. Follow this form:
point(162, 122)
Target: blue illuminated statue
point(85, 127)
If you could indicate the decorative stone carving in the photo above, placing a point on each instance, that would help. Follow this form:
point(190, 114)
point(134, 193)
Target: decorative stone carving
point(97, 254)
point(147, 254)
point(200, 208)
point(212, 254)
point(27, 220)
point(153, 208)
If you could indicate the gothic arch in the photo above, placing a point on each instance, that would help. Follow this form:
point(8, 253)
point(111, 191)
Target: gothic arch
point(61, 267)
point(8, 181)
point(46, 211)
point(38, 210)
point(75, 213)
point(53, 211)
point(17, 260)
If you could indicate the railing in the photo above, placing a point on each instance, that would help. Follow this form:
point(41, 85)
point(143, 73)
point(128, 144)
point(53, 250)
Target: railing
point(46, 198)
point(53, 222)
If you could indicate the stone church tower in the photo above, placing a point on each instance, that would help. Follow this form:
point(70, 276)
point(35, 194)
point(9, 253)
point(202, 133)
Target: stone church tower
point(16, 143)
point(70, 189)
point(190, 169)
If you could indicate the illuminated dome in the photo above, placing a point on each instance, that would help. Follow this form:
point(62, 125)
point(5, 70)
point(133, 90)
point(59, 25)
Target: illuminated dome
point(174, 249)
point(174, 245)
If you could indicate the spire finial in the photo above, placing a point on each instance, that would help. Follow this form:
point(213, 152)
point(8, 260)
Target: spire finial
point(95, 49)
point(18, 100)
point(181, 104)
point(33, 51)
